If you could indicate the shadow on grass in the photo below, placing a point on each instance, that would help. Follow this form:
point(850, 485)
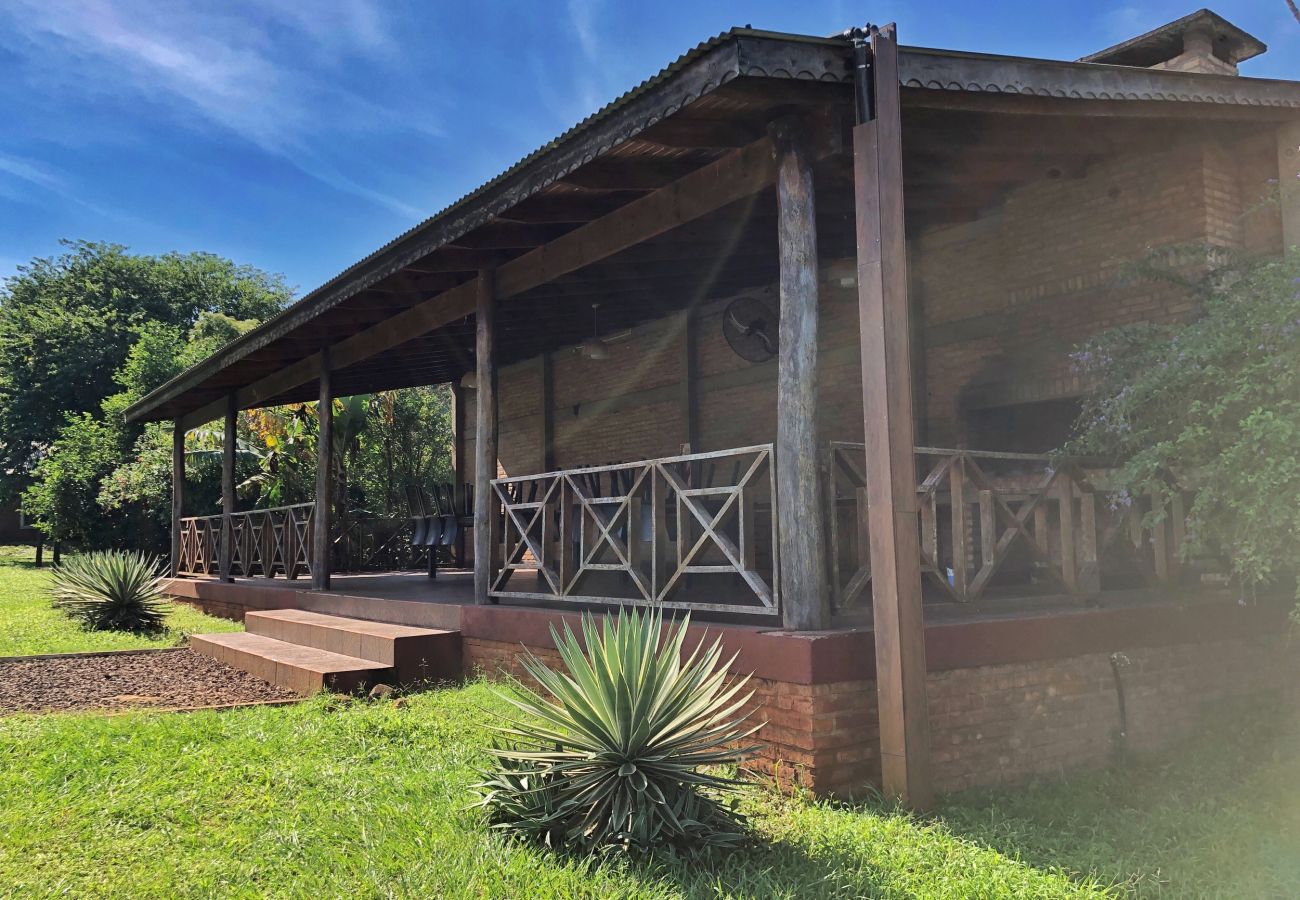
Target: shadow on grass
point(1201, 820)
point(20, 556)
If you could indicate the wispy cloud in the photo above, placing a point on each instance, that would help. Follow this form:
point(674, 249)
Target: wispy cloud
point(17, 173)
point(223, 66)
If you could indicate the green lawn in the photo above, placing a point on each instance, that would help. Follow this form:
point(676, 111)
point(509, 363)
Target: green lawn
point(349, 798)
point(28, 624)
point(338, 798)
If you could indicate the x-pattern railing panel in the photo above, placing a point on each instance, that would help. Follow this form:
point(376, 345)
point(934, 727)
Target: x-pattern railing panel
point(641, 532)
point(263, 542)
point(983, 513)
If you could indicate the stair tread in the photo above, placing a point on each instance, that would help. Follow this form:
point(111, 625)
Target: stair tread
point(342, 623)
point(297, 655)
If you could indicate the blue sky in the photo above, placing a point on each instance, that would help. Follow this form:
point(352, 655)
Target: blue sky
point(299, 135)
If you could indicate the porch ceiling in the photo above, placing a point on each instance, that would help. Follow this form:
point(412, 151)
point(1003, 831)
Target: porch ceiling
point(974, 126)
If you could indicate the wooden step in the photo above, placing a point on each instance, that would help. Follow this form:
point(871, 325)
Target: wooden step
point(306, 670)
point(416, 654)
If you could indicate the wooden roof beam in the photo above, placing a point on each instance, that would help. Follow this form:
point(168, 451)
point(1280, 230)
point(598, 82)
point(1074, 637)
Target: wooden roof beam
point(736, 175)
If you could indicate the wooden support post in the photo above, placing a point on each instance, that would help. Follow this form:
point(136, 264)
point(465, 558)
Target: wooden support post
point(891, 465)
point(1288, 179)
point(320, 546)
point(458, 462)
point(960, 533)
point(226, 555)
point(690, 401)
point(805, 591)
point(1065, 512)
point(178, 493)
point(548, 412)
point(485, 436)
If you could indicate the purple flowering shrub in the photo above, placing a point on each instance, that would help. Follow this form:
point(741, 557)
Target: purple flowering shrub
point(1214, 404)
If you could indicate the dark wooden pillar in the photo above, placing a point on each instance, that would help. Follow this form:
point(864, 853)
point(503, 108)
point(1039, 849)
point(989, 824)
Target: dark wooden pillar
point(690, 382)
point(1288, 178)
point(892, 509)
point(485, 434)
point(224, 560)
point(178, 492)
point(548, 412)
point(805, 592)
point(458, 462)
point(320, 546)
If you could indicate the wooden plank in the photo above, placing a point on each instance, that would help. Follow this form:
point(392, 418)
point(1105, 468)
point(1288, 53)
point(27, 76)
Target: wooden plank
point(458, 463)
point(547, 377)
point(1065, 511)
point(690, 389)
point(229, 436)
point(486, 548)
point(320, 546)
point(178, 493)
point(988, 528)
point(1288, 177)
point(960, 544)
point(892, 514)
point(804, 585)
point(1089, 573)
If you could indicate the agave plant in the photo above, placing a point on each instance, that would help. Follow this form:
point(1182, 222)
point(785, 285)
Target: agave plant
point(111, 590)
point(626, 749)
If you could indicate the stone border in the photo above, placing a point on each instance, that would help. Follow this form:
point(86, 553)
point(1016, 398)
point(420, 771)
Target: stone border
point(124, 710)
point(138, 651)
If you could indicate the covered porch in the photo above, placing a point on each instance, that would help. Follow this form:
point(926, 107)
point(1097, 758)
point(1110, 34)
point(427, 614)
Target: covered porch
point(613, 444)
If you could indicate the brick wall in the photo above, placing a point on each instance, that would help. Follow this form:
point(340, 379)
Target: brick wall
point(996, 724)
point(1001, 301)
point(1004, 298)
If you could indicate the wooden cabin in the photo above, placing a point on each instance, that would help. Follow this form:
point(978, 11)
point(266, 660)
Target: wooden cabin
point(781, 337)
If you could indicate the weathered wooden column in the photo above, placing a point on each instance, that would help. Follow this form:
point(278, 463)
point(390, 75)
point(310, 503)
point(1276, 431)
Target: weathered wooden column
point(224, 560)
point(485, 434)
point(178, 492)
point(323, 513)
point(458, 462)
point(1288, 179)
point(892, 509)
point(805, 592)
point(690, 400)
point(547, 374)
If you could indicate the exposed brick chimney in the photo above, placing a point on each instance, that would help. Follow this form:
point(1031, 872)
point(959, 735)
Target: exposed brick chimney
point(1203, 42)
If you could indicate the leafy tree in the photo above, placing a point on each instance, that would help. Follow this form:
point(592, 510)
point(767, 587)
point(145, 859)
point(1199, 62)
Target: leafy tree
point(69, 323)
point(1215, 404)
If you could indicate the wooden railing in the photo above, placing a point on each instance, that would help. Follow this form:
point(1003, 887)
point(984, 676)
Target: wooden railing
point(694, 532)
point(265, 542)
point(1006, 524)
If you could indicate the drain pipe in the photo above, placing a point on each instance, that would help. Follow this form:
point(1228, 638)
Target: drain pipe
point(864, 99)
point(1120, 661)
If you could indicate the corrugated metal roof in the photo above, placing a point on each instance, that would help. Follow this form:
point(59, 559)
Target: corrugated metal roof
point(931, 69)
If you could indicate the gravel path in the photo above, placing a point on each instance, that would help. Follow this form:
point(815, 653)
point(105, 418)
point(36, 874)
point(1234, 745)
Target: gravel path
point(161, 679)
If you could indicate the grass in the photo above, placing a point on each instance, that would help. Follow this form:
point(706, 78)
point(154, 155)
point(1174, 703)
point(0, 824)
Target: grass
point(28, 624)
point(353, 798)
point(339, 797)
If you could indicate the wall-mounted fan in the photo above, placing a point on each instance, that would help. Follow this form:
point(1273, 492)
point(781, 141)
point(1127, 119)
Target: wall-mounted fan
point(750, 327)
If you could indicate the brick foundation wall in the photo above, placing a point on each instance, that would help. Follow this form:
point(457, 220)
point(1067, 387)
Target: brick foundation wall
point(1005, 724)
point(822, 737)
point(994, 724)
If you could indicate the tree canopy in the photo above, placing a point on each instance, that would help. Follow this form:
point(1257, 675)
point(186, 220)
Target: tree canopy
point(1212, 404)
point(86, 334)
point(69, 323)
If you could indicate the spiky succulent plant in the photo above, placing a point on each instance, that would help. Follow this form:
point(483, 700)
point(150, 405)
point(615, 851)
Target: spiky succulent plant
point(111, 590)
point(623, 750)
